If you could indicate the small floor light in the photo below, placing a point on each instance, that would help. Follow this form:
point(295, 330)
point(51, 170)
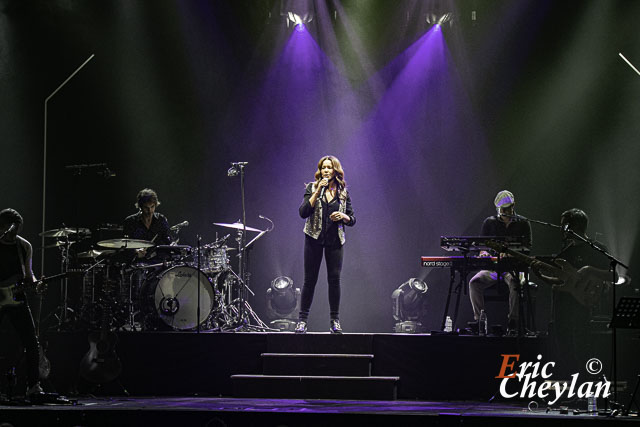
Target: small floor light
point(283, 304)
point(409, 305)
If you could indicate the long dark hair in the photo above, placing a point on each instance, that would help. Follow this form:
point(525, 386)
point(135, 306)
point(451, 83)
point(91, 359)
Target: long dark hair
point(338, 172)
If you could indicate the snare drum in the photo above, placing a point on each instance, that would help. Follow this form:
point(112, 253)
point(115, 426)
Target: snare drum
point(173, 297)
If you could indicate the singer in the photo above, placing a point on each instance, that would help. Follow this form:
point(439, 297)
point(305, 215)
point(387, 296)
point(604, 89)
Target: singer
point(505, 223)
point(327, 209)
point(147, 224)
point(15, 267)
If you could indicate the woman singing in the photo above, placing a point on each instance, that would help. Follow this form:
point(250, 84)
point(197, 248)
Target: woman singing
point(327, 209)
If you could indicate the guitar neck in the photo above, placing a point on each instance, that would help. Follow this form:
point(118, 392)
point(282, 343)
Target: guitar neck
point(523, 258)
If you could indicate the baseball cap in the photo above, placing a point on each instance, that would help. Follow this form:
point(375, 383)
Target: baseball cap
point(504, 199)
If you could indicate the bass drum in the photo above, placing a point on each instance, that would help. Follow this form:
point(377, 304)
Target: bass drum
point(172, 296)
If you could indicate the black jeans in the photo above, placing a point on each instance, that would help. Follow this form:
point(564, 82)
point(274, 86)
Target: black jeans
point(312, 260)
point(20, 317)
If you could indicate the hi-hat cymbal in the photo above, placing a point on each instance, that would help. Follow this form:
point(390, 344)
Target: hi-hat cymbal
point(93, 253)
point(66, 232)
point(125, 244)
point(237, 226)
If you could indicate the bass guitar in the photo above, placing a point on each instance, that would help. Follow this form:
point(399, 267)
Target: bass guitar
point(13, 294)
point(586, 290)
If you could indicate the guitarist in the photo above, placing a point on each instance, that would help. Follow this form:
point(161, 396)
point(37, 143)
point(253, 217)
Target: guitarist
point(570, 326)
point(15, 267)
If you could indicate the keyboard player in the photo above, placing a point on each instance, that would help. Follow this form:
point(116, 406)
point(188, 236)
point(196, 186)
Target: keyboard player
point(504, 223)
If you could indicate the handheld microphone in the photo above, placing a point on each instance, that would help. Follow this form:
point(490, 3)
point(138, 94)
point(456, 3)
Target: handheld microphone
point(323, 188)
point(322, 192)
point(9, 230)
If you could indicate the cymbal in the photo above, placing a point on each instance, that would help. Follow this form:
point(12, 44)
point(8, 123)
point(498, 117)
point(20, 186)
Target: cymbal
point(109, 227)
point(93, 253)
point(236, 225)
point(65, 232)
point(57, 245)
point(125, 244)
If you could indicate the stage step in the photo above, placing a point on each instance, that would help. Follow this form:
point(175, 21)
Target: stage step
point(316, 387)
point(358, 365)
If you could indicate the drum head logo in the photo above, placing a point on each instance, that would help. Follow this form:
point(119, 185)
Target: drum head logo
point(182, 274)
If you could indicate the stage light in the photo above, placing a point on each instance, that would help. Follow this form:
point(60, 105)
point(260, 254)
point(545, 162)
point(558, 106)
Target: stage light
point(440, 19)
point(299, 20)
point(623, 280)
point(283, 303)
point(409, 305)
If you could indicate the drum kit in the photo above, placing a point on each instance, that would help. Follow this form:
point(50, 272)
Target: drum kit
point(171, 287)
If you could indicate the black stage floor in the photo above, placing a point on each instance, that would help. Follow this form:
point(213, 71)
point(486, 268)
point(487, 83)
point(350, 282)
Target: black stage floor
point(440, 380)
point(219, 412)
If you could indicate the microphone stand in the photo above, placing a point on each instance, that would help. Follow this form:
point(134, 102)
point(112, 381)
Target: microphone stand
point(198, 273)
point(613, 264)
point(44, 167)
point(535, 221)
point(237, 168)
point(243, 323)
point(242, 254)
point(247, 310)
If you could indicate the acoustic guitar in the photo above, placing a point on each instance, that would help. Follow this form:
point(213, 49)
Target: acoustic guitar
point(585, 290)
point(101, 364)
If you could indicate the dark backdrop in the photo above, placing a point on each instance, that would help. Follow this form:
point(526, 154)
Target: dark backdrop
point(535, 100)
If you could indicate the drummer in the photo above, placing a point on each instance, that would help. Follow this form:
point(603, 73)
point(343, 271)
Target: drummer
point(147, 224)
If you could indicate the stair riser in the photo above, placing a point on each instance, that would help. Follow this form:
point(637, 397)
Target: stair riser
point(314, 389)
point(316, 366)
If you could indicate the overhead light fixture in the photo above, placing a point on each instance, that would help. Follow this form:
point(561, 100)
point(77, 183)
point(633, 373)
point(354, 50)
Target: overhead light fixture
point(283, 303)
point(440, 18)
point(299, 20)
point(409, 305)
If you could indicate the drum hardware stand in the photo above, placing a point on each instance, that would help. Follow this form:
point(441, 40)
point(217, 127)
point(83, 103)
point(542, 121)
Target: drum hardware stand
point(64, 285)
point(248, 310)
point(198, 238)
point(130, 310)
point(90, 270)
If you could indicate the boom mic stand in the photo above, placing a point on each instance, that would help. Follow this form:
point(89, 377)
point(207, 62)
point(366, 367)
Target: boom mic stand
point(613, 263)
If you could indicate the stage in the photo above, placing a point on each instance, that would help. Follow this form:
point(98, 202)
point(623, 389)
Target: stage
point(187, 363)
point(260, 378)
point(218, 412)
